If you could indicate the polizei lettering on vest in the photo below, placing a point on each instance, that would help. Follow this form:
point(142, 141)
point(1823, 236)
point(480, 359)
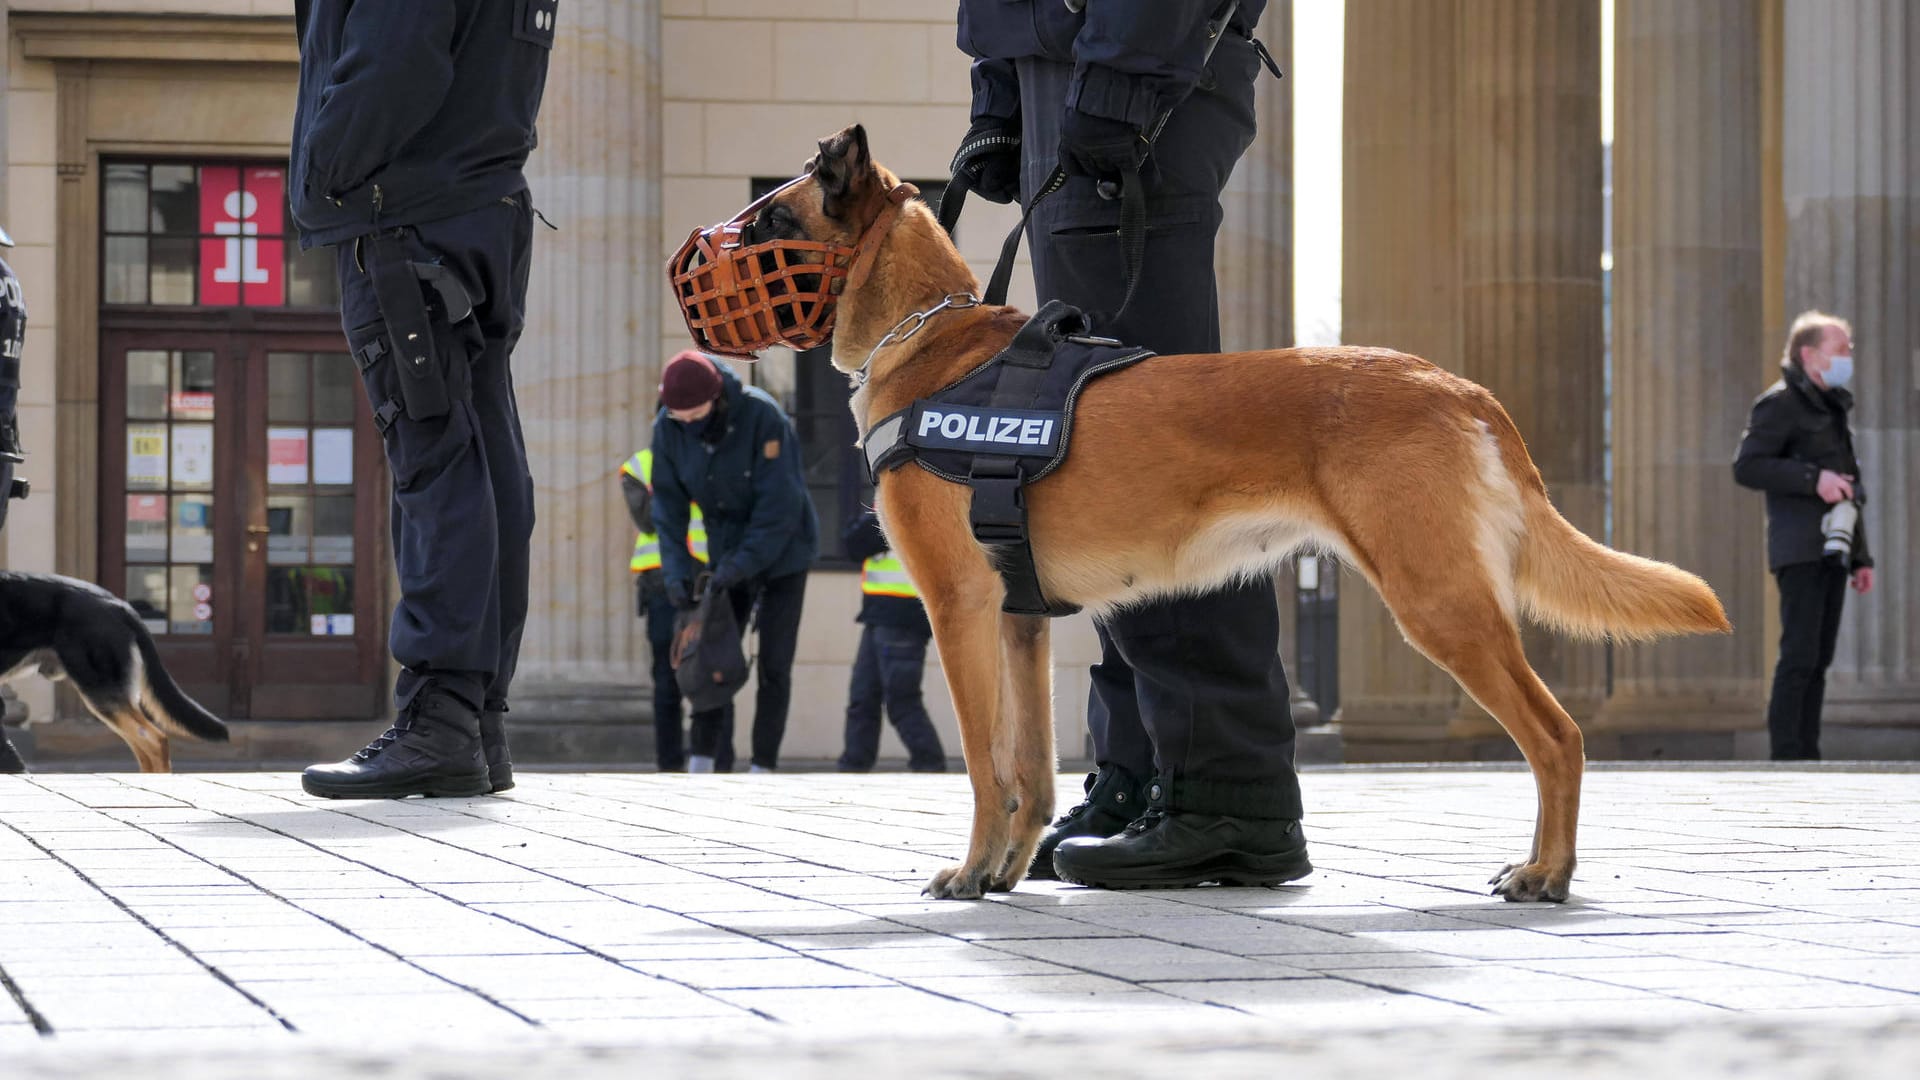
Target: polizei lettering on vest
point(1011, 430)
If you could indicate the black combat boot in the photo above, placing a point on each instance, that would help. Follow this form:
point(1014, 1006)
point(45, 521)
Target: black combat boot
point(432, 749)
point(493, 742)
point(1113, 799)
point(1170, 848)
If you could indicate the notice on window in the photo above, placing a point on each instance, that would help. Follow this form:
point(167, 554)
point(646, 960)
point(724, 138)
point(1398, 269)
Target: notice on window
point(333, 456)
point(147, 456)
point(286, 455)
point(331, 625)
point(193, 455)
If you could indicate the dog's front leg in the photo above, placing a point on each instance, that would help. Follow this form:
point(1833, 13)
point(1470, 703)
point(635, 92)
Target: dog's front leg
point(966, 627)
point(1026, 650)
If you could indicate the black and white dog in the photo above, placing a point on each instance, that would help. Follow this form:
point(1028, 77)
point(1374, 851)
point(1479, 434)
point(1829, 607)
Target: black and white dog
point(64, 628)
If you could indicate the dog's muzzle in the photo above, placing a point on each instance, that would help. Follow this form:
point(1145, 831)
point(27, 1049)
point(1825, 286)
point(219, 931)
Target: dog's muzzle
point(739, 297)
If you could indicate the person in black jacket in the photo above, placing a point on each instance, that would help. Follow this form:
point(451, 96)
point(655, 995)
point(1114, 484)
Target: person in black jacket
point(411, 129)
point(731, 449)
point(891, 659)
point(1798, 449)
point(1189, 709)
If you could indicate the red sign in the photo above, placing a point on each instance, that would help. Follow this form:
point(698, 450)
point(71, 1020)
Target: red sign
point(237, 207)
point(288, 451)
point(146, 508)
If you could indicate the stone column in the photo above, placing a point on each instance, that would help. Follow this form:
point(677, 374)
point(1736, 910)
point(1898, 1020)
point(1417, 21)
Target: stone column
point(1687, 325)
point(1529, 188)
point(1851, 159)
point(1400, 289)
point(586, 366)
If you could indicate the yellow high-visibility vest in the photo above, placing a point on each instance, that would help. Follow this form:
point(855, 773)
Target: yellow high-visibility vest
point(646, 546)
point(886, 575)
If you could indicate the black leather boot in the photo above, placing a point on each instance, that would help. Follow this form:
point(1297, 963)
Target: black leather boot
point(432, 749)
point(1170, 848)
point(1113, 799)
point(493, 743)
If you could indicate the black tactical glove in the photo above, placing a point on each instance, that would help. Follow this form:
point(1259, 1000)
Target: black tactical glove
point(680, 594)
point(989, 159)
point(1101, 148)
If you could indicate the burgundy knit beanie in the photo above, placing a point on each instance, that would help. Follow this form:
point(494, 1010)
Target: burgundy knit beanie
point(690, 380)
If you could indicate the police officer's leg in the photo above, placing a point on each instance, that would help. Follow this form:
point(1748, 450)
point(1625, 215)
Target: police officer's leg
point(865, 697)
point(445, 626)
point(779, 627)
point(1797, 671)
point(903, 662)
point(1206, 670)
point(669, 752)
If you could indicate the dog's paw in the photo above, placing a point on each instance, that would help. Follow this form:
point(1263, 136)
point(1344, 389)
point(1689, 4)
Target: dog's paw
point(1528, 882)
point(958, 883)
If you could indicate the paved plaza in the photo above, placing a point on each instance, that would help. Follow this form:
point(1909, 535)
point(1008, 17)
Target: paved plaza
point(226, 924)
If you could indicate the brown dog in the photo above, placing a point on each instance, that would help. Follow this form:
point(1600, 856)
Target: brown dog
point(1415, 477)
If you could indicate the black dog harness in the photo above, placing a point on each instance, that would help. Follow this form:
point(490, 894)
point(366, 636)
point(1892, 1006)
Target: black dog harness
point(1000, 427)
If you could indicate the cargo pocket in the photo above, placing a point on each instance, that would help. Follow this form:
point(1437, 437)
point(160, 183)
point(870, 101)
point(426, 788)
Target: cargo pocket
point(418, 451)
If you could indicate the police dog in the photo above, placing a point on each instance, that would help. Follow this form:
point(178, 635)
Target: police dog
point(74, 630)
point(1416, 478)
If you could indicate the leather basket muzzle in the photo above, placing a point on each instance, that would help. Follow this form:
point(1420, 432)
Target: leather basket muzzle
point(739, 298)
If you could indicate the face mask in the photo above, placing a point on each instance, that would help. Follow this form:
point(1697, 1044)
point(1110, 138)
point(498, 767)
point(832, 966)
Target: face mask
point(1839, 372)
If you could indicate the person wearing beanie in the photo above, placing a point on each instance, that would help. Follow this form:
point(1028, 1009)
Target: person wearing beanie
point(731, 449)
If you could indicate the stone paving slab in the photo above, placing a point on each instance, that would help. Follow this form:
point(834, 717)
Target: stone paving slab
point(735, 922)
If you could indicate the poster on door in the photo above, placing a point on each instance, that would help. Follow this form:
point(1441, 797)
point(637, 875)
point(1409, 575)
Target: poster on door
point(242, 254)
point(286, 455)
point(192, 455)
point(147, 456)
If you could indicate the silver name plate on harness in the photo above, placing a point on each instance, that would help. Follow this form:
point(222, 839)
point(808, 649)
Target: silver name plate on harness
point(978, 430)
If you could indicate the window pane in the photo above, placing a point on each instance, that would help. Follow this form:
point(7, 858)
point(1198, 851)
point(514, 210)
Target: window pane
point(330, 599)
point(192, 446)
point(312, 279)
point(192, 397)
point(289, 523)
point(147, 592)
point(146, 528)
point(176, 200)
point(126, 281)
point(190, 600)
point(170, 271)
point(333, 456)
point(125, 195)
point(192, 528)
point(333, 529)
point(146, 457)
point(335, 382)
point(287, 387)
point(287, 601)
point(146, 383)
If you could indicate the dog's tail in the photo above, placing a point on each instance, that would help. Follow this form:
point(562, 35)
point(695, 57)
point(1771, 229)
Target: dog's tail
point(1568, 581)
point(165, 702)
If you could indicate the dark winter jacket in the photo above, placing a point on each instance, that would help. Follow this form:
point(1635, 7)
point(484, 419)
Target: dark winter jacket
point(1796, 430)
point(412, 110)
point(863, 540)
point(1132, 59)
point(745, 471)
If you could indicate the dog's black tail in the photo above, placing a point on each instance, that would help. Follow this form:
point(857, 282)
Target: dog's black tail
point(165, 702)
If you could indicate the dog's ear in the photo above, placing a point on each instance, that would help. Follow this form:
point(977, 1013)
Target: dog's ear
point(843, 169)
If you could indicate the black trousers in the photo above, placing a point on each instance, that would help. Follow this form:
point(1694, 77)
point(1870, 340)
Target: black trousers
point(779, 601)
point(1811, 598)
point(669, 722)
point(1189, 692)
point(886, 675)
point(462, 513)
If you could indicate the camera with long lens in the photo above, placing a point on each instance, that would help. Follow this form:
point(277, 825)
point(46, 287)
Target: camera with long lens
point(1837, 527)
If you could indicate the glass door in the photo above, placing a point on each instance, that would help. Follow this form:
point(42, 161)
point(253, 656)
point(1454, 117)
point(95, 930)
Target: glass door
point(243, 493)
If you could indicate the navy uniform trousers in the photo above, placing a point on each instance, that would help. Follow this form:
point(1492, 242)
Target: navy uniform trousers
point(462, 514)
point(1188, 692)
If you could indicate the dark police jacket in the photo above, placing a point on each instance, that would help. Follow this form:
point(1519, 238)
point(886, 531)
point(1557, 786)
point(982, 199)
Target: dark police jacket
point(412, 110)
point(745, 472)
point(1796, 430)
point(864, 540)
point(1132, 59)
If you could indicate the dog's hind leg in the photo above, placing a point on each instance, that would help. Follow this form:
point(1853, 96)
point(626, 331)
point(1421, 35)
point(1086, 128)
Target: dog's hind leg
point(1478, 643)
point(126, 720)
point(1027, 717)
point(10, 761)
